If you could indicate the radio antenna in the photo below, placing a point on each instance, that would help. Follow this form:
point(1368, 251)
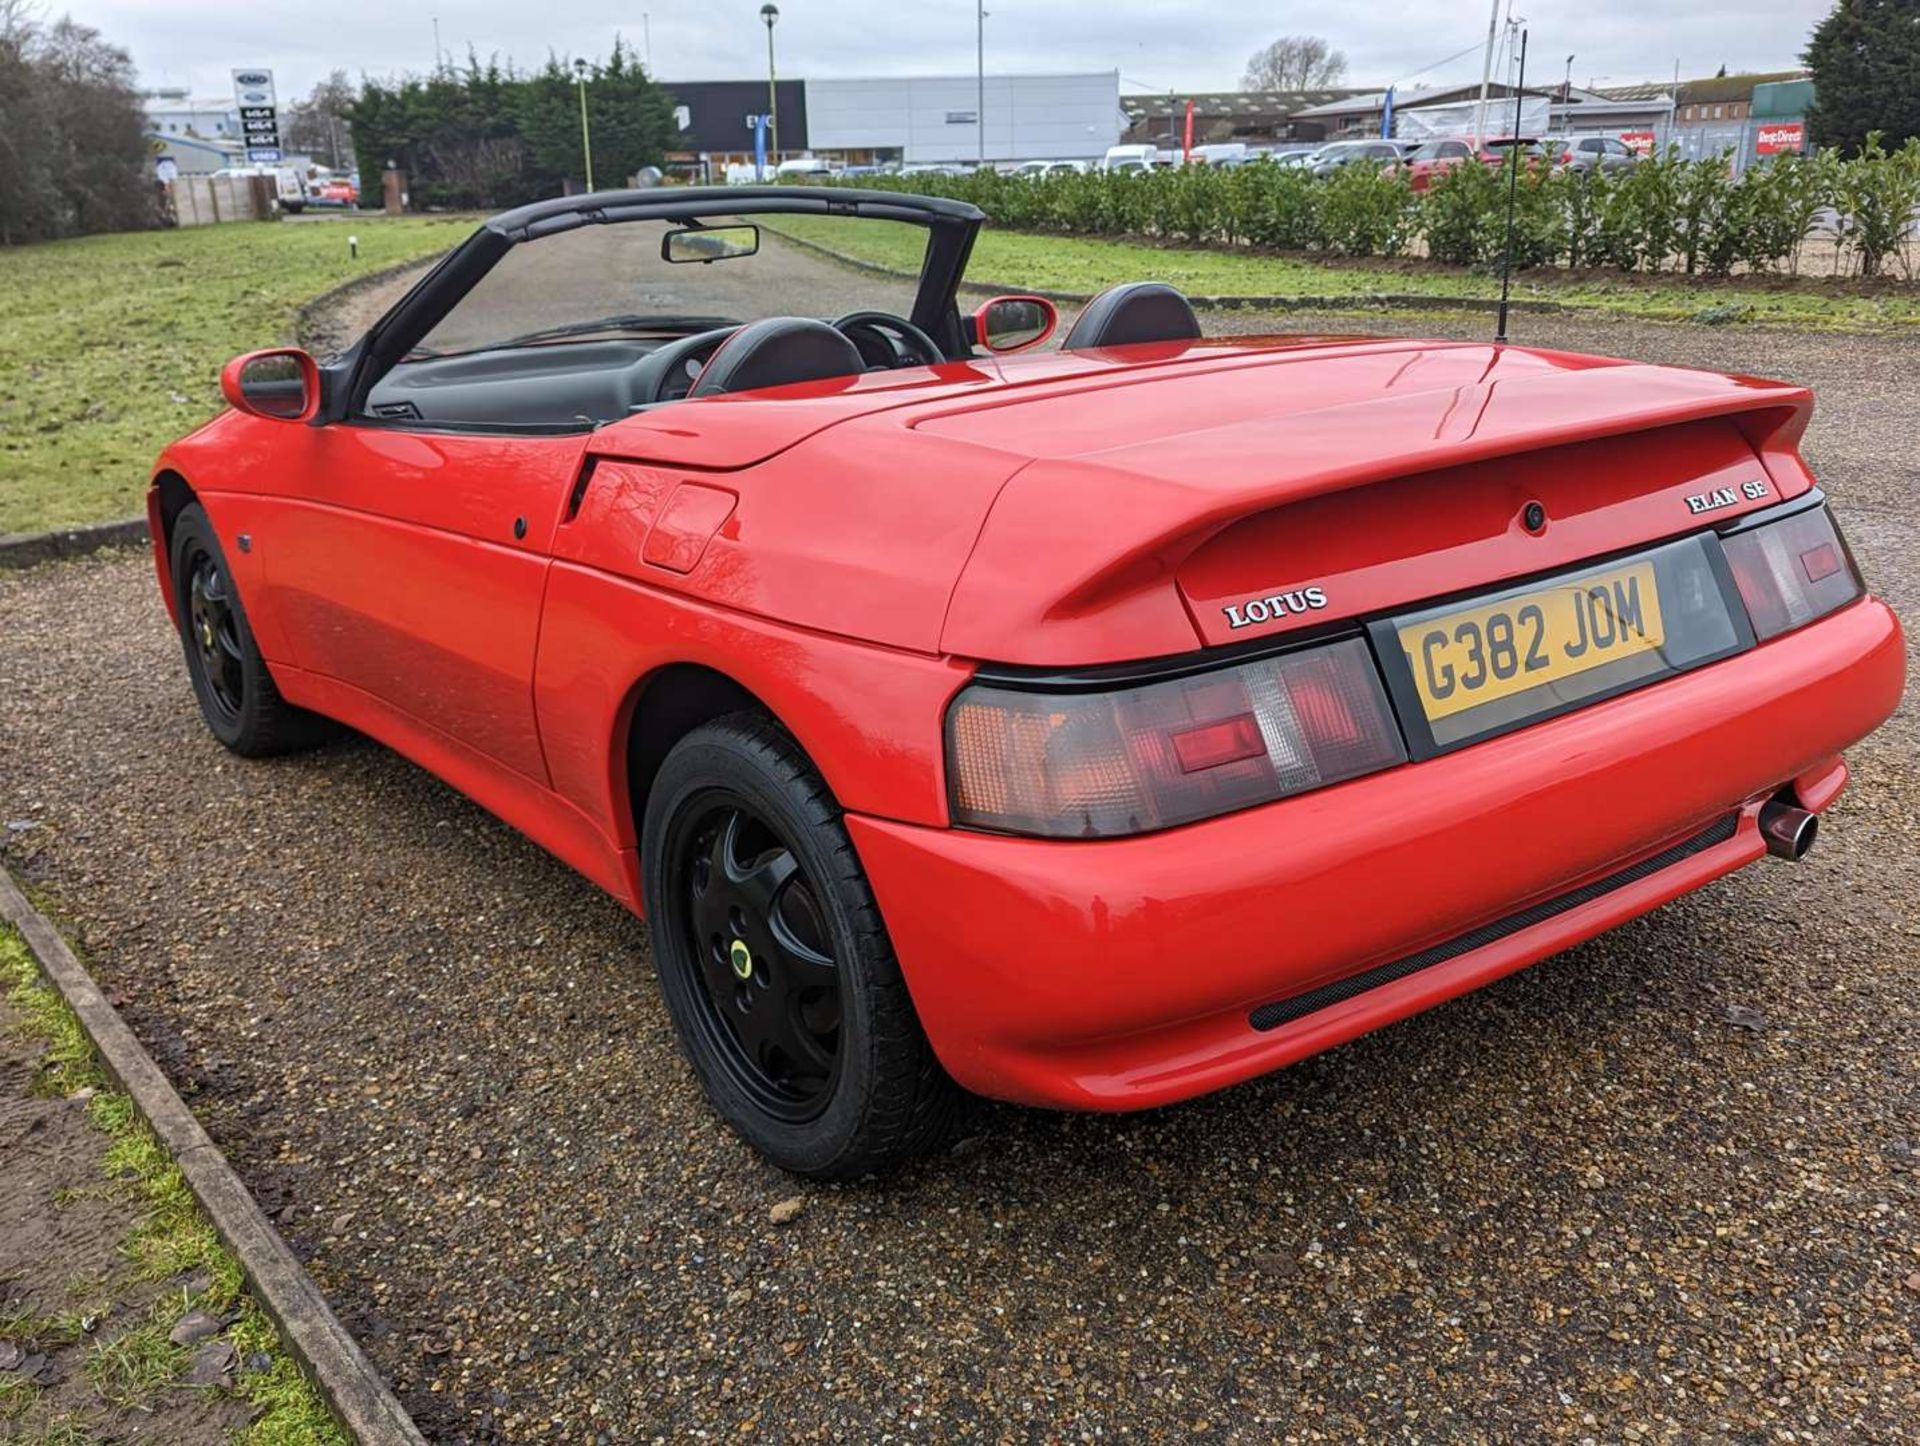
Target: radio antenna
point(1513, 191)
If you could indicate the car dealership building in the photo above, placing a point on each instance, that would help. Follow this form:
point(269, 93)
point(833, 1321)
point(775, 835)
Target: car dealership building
point(915, 120)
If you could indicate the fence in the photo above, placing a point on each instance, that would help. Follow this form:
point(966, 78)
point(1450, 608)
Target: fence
point(206, 200)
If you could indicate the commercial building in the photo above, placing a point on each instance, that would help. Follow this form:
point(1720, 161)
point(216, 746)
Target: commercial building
point(1743, 117)
point(192, 136)
point(915, 120)
point(1255, 117)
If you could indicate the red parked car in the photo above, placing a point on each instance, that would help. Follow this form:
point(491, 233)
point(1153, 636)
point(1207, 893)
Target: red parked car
point(1425, 165)
point(1088, 728)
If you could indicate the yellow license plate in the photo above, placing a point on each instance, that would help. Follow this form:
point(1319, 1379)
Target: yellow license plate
point(1479, 654)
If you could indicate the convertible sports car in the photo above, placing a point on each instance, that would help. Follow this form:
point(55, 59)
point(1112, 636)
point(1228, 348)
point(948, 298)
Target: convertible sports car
point(1090, 728)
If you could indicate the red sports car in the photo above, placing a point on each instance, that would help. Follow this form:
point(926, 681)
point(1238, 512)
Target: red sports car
point(1087, 728)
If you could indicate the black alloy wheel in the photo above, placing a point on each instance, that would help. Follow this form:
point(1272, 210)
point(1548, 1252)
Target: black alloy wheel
point(238, 698)
point(756, 927)
point(774, 962)
point(213, 631)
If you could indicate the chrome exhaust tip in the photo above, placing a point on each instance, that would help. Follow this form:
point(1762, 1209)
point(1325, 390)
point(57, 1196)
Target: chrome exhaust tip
point(1788, 829)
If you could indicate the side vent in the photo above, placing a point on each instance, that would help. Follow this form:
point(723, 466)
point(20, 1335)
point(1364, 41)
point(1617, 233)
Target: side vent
point(578, 495)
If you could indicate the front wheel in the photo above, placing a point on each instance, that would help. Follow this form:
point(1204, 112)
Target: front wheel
point(774, 962)
point(238, 699)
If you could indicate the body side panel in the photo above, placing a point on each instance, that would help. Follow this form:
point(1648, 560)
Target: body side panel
point(870, 718)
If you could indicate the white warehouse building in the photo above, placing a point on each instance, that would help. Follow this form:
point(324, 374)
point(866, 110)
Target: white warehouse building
point(922, 119)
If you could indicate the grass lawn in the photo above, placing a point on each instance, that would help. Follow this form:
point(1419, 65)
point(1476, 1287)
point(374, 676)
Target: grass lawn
point(1068, 263)
point(111, 346)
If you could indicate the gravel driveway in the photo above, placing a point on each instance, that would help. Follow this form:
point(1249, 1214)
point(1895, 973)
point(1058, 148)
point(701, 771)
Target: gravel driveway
point(1662, 1187)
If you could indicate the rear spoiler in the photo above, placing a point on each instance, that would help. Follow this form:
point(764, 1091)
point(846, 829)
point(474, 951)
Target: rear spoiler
point(1170, 496)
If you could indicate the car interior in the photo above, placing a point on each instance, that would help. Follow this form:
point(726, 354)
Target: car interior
point(593, 382)
point(591, 372)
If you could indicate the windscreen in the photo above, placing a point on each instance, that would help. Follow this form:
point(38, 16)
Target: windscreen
point(613, 280)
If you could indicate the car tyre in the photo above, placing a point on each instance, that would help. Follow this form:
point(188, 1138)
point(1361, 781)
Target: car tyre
point(775, 963)
point(242, 706)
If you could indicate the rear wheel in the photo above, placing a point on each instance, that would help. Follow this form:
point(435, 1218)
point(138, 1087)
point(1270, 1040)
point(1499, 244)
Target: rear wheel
point(775, 964)
point(237, 695)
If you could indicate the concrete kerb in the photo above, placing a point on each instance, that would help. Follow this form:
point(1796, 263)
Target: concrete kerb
point(355, 1393)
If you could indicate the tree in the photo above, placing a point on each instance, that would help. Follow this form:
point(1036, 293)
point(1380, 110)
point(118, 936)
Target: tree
point(631, 119)
point(321, 126)
point(1865, 59)
point(487, 136)
point(1295, 62)
point(73, 153)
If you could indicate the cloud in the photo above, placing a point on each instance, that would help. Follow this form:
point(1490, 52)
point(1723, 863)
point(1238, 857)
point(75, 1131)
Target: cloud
point(1154, 45)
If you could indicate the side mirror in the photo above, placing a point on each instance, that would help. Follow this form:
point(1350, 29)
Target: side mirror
point(282, 383)
point(1009, 323)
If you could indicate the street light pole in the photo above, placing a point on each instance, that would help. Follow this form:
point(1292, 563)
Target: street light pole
point(1486, 78)
point(771, 13)
point(586, 136)
point(980, 81)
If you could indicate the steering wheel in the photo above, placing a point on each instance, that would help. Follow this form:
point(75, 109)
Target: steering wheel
point(668, 373)
point(874, 333)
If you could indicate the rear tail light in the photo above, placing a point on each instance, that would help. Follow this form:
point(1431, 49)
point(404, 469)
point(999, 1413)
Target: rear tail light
point(1134, 759)
point(1792, 571)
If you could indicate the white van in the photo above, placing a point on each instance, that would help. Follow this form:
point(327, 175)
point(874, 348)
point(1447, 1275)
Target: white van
point(1130, 158)
point(289, 186)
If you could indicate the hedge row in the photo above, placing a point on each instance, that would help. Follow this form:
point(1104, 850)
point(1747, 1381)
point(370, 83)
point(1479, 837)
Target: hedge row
point(1663, 212)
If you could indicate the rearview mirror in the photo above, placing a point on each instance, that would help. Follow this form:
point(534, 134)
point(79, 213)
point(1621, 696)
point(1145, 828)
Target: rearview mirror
point(709, 243)
point(282, 384)
point(1008, 323)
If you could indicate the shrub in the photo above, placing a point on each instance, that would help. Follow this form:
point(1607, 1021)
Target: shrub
point(1665, 209)
point(1362, 212)
point(1879, 193)
point(1786, 194)
point(1459, 214)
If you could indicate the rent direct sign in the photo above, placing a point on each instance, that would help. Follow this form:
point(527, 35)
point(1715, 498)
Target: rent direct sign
point(1778, 136)
point(1639, 142)
point(253, 97)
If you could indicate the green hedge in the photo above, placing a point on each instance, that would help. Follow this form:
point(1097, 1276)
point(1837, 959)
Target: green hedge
point(1663, 212)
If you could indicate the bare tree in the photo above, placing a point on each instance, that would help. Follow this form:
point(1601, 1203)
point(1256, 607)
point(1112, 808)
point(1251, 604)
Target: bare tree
point(1295, 62)
point(73, 158)
point(318, 126)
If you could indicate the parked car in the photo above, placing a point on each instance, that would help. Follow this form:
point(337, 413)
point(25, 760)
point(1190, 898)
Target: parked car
point(800, 167)
point(1091, 729)
point(1428, 161)
point(336, 191)
point(1033, 170)
point(1335, 154)
point(1588, 153)
point(1221, 153)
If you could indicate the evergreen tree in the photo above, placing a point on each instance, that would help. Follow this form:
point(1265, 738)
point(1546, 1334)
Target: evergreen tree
point(1865, 59)
point(486, 136)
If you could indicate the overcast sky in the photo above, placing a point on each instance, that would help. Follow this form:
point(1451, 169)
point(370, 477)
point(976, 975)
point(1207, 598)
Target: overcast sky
point(1155, 44)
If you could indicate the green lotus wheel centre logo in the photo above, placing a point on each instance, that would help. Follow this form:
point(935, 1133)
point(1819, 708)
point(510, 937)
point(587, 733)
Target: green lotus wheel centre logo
point(741, 957)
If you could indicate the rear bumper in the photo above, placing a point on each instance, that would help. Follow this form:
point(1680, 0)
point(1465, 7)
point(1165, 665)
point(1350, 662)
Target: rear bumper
point(1121, 974)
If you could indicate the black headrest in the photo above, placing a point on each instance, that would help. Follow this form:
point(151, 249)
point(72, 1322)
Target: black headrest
point(775, 352)
point(1134, 312)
